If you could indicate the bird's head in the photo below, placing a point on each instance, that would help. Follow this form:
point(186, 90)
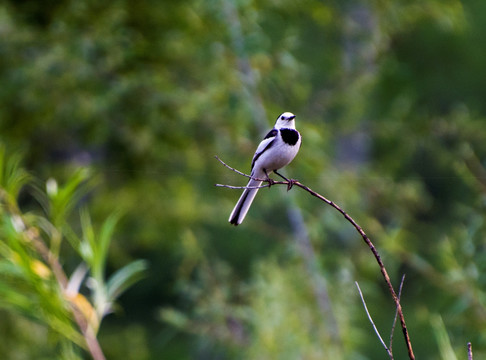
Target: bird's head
point(285, 120)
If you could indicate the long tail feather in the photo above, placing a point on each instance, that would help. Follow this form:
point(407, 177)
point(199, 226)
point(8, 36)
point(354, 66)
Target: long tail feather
point(243, 204)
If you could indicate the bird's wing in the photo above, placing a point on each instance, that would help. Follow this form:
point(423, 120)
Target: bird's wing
point(264, 145)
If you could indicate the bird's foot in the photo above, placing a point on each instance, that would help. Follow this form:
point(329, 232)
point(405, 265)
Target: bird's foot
point(270, 181)
point(291, 183)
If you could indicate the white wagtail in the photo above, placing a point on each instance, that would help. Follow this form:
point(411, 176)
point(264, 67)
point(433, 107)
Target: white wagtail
point(276, 150)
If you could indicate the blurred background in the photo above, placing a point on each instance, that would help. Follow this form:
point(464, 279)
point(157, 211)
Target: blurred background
point(390, 101)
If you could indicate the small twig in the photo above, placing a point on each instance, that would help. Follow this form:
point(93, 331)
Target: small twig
point(390, 354)
point(366, 239)
point(233, 169)
point(242, 187)
point(469, 351)
point(396, 314)
point(267, 180)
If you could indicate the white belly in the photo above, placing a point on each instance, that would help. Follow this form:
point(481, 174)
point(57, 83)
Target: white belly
point(278, 156)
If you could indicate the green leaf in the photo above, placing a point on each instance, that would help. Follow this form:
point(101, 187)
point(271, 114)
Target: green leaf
point(442, 338)
point(88, 244)
point(12, 177)
point(103, 243)
point(63, 198)
point(125, 277)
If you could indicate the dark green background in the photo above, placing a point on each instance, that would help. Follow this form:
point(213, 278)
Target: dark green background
point(390, 101)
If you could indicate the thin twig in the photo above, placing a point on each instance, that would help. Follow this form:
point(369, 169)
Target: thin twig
point(249, 177)
point(232, 168)
point(390, 354)
point(242, 187)
point(396, 314)
point(366, 239)
point(469, 351)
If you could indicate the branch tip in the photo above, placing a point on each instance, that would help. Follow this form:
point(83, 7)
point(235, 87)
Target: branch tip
point(372, 322)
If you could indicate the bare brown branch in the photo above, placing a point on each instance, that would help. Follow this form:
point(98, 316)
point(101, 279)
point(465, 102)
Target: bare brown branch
point(365, 238)
point(396, 314)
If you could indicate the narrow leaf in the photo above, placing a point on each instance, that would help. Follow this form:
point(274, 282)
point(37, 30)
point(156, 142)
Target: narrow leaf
point(125, 277)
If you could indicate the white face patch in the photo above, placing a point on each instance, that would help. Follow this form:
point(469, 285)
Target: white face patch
point(287, 116)
point(285, 120)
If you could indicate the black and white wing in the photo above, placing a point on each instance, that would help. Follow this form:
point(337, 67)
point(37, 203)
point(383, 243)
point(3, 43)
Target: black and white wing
point(266, 144)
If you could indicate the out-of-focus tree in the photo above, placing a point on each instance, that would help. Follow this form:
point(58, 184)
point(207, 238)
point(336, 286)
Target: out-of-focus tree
point(388, 97)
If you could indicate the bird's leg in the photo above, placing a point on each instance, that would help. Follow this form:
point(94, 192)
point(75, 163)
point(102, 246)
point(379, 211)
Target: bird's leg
point(289, 181)
point(269, 179)
point(283, 177)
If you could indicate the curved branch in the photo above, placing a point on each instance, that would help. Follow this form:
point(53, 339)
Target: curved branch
point(368, 242)
point(365, 237)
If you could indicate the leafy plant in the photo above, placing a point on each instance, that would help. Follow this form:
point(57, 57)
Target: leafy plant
point(34, 282)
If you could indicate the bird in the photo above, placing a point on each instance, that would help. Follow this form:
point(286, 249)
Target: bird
point(278, 148)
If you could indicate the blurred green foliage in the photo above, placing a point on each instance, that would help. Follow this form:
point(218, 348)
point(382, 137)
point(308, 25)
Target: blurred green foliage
point(34, 283)
point(389, 100)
